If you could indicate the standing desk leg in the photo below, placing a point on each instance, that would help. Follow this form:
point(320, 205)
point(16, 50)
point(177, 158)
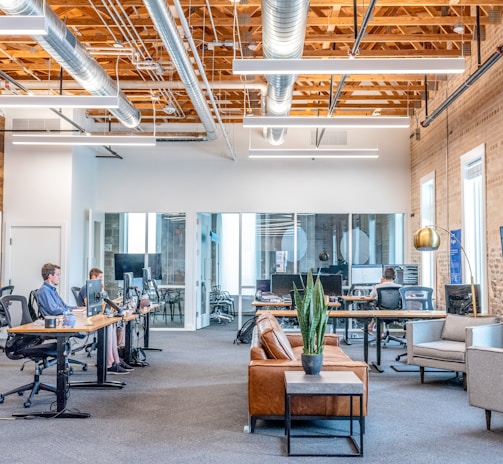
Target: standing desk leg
point(146, 334)
point(377, 365)
point(61, 387)
point(101, 366)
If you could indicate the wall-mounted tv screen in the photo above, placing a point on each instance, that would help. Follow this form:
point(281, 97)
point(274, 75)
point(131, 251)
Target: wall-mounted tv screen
point(135, 262)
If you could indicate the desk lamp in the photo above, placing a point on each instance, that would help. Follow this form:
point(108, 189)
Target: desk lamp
point(428, 239)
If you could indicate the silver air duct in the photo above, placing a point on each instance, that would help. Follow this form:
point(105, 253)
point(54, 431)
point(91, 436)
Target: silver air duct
point(284, 25)
point(166, 27)
point(62, 45)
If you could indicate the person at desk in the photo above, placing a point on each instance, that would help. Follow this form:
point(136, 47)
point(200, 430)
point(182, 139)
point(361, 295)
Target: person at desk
point(115, 365)
point(387, 280)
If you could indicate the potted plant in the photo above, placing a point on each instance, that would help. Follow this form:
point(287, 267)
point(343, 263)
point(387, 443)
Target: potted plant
point(312, 316)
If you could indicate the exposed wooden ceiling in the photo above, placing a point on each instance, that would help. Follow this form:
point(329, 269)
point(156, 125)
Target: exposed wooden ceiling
point(121, 36)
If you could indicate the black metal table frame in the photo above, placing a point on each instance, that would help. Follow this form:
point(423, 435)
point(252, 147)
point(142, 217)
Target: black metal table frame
point(288, 425)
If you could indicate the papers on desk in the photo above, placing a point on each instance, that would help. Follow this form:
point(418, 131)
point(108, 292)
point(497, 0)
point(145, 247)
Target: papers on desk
point(79, 311)
point(268, 297)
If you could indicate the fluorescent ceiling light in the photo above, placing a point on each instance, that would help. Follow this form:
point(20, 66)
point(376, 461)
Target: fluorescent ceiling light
point(337, 121)
point(350, 66)
point(86, 140)
point(58, 101)
point(23, 25)
point(307, 153)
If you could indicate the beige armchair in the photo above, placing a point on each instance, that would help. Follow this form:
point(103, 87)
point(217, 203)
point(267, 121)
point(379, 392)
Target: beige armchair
point(484, 367)
point(442, 343)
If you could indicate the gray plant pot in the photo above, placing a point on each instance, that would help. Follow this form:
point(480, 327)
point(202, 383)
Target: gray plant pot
point(312, 363)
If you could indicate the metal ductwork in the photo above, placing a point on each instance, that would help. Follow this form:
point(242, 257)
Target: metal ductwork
point(63, 46)
point(284, 25)
point(166, 27)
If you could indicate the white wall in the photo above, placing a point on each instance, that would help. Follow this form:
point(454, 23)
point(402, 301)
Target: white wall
point(60, 184)
point(200, 177)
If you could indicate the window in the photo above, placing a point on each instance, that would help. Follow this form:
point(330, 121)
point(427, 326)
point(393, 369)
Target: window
point(474, 230)
point(427, 200)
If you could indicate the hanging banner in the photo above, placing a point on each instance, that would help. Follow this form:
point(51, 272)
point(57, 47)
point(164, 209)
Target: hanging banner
point(456, 269)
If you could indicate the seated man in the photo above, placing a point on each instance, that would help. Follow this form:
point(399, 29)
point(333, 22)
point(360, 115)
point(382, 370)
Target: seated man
point(115, 364)
point(387, 280)
point(51, 304)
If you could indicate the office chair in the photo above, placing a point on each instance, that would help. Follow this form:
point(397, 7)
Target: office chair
point(415, 297)
point(23, 346)
point(389, 298)
point(221, 306)
point(36, 308)
point(7, 290)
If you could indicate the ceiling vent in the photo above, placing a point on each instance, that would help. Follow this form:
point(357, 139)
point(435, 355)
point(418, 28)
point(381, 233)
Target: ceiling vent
point(36, 125)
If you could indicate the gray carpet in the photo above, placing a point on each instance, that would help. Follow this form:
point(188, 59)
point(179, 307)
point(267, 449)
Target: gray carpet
point(190, 406)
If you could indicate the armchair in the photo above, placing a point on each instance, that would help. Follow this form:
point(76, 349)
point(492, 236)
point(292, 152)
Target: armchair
point(442, 343)
point(484, 367)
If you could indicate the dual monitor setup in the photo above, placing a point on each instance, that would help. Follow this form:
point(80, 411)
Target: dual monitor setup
point(281, 284)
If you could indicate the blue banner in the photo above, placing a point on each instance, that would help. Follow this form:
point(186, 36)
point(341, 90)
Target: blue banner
point(456, 269)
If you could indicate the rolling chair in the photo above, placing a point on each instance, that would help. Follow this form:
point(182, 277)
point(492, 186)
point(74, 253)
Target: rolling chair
point(415, 297)
point(23, 346)
point(389, 298)
point(7, 290)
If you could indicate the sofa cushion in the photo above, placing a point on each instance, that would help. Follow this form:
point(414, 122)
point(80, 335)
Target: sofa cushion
point(442, 350)
point(273, 339)
point(455, 326)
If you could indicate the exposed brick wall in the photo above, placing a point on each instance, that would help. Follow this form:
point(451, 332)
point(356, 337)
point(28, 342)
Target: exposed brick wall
point(476, 117)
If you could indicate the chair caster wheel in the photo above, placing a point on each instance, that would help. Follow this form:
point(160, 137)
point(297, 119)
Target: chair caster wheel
point(27, 404)
point(2, 399)
point(84, 368)
point(70, 371)
point(20, 393)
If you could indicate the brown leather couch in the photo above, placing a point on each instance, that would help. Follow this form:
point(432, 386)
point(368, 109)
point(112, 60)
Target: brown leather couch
point(272, 353)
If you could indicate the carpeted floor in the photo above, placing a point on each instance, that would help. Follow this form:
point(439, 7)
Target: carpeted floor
point(190, 406)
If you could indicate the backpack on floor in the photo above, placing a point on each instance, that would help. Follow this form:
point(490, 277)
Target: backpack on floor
point(244, 334)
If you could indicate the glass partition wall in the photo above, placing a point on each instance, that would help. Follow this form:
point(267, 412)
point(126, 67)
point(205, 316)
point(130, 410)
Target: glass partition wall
point(154, 240)
point(234, 250)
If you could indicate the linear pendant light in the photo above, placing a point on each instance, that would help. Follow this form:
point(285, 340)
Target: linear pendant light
point(58, 101)
point(350, 66)
point(86, 140)
point(23, 25)
point(306, 153)
point(338, 121)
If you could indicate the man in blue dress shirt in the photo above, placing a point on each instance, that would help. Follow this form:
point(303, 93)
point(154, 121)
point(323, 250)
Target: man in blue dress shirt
point(49, 301)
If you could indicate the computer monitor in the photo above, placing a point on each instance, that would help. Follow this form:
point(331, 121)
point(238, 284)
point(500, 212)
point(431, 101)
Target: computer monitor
point(282, 283)
point(147, 278)
point(458, 298)
point(332, 284)
point(94, 297)
point(366, 274)
point(135, 262)
point(405, 274)
point(263, 285)
point(128, 288)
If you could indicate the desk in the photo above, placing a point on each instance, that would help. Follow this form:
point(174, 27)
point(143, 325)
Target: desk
point(96, 323)
point(367, 315)
point(354, 300)
point(340, 383)
point(285, 304)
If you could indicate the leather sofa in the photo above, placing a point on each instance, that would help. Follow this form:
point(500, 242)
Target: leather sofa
point(272, 353)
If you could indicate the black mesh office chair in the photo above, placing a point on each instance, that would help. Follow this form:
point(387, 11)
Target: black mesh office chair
point(389, 298)
point(23, 346)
